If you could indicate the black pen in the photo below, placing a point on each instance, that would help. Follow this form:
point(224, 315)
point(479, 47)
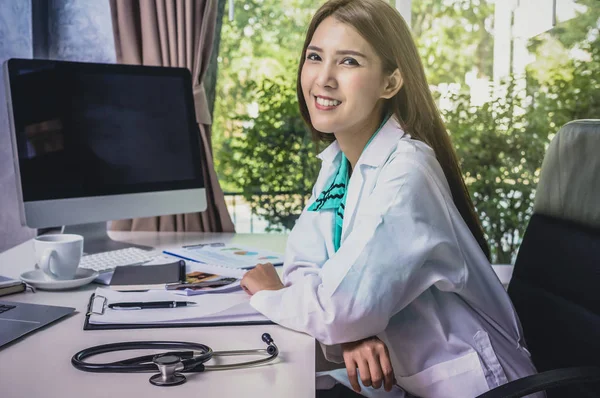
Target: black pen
point(149, 304)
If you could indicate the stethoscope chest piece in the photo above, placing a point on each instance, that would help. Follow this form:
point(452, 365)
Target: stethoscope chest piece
point(168, 365)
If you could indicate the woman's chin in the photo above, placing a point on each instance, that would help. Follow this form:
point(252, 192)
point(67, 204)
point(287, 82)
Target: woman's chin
point(323, 127)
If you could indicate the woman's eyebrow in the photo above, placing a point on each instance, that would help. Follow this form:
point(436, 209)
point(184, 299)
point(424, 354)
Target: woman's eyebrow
point(339, 52)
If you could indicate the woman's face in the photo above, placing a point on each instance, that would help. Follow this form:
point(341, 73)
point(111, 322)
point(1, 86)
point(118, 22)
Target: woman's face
point(342, 80)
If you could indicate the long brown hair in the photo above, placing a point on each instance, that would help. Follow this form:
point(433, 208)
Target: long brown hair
point(384, 29)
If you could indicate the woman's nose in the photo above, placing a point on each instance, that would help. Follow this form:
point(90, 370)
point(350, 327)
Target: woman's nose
point(326, 77)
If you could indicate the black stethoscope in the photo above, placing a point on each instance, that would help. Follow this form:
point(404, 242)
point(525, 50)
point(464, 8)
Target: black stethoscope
point(191, 358)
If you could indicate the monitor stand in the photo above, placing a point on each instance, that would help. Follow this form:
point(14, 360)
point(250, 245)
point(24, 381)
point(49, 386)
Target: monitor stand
point(96, 239)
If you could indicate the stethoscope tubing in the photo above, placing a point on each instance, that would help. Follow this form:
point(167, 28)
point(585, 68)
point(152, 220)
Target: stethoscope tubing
point(193, 356)
point(142, 363)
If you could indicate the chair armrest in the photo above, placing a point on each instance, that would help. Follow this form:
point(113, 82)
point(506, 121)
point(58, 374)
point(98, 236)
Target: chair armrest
point(542, 381)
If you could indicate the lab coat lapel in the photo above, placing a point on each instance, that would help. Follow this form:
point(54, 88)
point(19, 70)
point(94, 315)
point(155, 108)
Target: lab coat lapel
point(355, 186)
point(367, 169)
point(331, 158)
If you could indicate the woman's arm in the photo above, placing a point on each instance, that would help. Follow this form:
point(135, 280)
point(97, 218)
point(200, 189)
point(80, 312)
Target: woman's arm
point(401, 244)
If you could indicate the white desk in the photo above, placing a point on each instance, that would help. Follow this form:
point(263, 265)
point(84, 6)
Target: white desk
point(39, 365)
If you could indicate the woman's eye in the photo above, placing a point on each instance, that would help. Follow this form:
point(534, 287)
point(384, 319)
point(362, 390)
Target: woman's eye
point(313, 57)
point(349, 61)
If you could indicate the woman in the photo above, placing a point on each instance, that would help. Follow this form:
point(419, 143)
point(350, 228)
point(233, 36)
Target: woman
point(389, 254)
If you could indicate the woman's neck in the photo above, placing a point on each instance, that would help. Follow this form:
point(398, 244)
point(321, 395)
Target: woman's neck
point(352, 142)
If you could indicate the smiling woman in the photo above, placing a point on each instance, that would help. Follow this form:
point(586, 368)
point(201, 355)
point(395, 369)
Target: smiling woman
point(387, 266)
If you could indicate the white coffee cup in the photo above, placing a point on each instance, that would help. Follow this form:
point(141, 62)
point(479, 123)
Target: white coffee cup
point(58, 255)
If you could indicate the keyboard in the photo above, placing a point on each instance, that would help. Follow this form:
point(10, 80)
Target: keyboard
point(107, 261)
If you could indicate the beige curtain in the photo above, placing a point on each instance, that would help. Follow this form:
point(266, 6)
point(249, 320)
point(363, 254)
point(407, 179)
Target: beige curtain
point(174, 33)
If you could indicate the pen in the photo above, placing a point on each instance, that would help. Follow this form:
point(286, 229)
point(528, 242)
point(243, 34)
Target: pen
point(149, 304)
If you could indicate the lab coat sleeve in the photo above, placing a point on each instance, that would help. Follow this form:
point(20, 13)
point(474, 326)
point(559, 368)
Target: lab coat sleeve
point(306, 249)
point(402, 243)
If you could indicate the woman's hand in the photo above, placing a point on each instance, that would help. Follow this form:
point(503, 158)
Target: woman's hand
point(372, 359)
point(261, 277)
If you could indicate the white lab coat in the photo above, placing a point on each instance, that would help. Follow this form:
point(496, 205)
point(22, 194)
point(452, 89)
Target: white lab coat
point(408, 271)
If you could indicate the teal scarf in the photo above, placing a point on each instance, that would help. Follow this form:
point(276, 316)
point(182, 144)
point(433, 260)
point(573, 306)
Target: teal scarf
point(334, 197)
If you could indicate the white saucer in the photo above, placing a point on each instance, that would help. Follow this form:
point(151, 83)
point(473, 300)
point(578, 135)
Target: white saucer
point(38, 279)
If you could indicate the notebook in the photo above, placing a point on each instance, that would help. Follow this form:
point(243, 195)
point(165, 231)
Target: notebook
point(145, 277)
point(10, 286)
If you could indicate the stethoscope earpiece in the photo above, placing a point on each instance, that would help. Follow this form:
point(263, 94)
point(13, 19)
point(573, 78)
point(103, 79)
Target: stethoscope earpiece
point(266, 337)
point(272, 348)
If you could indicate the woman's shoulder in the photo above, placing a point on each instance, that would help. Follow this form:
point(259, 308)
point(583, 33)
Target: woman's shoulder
point(413, 153)
point(413, 149)
point(415, 162)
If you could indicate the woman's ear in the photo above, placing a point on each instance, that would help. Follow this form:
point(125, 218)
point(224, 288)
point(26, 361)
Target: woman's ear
point(394, 83)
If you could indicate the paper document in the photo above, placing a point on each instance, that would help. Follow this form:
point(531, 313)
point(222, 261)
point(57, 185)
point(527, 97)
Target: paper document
point(209, 308)
point(220, 255)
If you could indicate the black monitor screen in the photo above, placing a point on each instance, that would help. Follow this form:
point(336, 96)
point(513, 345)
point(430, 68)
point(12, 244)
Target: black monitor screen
point(100, 129)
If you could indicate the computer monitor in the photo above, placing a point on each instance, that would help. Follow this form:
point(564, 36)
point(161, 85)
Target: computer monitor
point(99, 142)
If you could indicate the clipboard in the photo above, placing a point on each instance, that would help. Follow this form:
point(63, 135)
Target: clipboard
point(90, 326)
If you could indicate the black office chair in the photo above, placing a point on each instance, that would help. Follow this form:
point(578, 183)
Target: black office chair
point(555, 286)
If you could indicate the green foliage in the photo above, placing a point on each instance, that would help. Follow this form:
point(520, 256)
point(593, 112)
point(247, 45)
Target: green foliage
point(272, 152)
point(568, 96)
point(501, 144)
point(440, 26)
point(575, 31)
point(557, 50)
point(500, 152)
point(263, 40)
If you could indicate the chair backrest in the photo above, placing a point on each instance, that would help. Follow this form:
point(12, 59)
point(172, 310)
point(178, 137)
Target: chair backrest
point(555, 286)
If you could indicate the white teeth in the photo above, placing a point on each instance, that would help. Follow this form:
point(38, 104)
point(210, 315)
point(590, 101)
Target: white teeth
point(324, 102)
